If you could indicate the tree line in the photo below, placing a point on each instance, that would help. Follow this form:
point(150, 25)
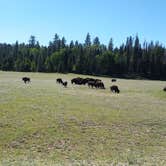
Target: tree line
point(91, 57)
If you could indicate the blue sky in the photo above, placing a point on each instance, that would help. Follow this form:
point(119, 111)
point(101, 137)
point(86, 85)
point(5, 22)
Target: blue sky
point(74, 18)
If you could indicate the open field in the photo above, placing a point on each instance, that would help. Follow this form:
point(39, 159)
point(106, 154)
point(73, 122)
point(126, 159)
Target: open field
point(43, 123)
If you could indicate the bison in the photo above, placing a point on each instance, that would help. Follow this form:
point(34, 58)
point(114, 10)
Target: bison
point(115, 89)
point(91, 84)
point(64, 84)
point(59, 81)
point(26, 80)
point(113, 80)
point(99, 84)
point(96, 83)
point(85, 81)
point(77, 81)
point(164, 89)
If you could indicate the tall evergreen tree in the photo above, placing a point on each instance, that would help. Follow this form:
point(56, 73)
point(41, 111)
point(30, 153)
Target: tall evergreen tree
point(110, 45)
point(137, 55)
point(96, 41)
point(63, 42)
point(71, 44)
point(88, 40)
point(32, 41)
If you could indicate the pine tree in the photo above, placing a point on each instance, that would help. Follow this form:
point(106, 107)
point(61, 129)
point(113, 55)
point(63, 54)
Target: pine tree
point(63, 42)
point(88, 40)
point(110, 45)
point(96, 41)
point(71, 44)
point(32, 41)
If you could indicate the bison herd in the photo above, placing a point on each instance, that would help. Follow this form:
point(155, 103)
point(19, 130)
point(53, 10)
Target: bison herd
point(91, 82)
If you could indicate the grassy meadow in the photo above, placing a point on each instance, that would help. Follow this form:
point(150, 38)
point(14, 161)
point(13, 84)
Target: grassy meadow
point(42, 123)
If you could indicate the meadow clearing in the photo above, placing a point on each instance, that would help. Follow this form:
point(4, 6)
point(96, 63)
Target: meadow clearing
point(43, 123)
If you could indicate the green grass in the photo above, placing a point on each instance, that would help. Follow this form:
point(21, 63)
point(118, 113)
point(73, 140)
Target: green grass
point(43, 123)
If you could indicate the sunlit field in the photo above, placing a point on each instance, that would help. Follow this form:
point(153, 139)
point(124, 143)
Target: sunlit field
point(43, 123)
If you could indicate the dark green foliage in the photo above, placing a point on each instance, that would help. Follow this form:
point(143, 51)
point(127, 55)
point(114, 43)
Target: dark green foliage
point(131, 58)
point(88, 40)
point(110, 45)
point(96, 41)
point(32, 41)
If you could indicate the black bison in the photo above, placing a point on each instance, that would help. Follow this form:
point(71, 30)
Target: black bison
point(26, 80)
point(98, 84)
point(115, 89)
point(59, 81)
point(85, 81)
point(64, 84)
point(113, 80)
point(91, 84)
point(164, 89)
point(77, 81)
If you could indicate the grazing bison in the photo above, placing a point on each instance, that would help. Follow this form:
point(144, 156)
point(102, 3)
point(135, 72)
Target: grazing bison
point(59, 81)
point(64, 84)
point(85, 81)
point(115, 89)
point(77, 81)
point(26, 80)
point(99, 84)
point(91, 84)
point(113, 80)
point(164, 89)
